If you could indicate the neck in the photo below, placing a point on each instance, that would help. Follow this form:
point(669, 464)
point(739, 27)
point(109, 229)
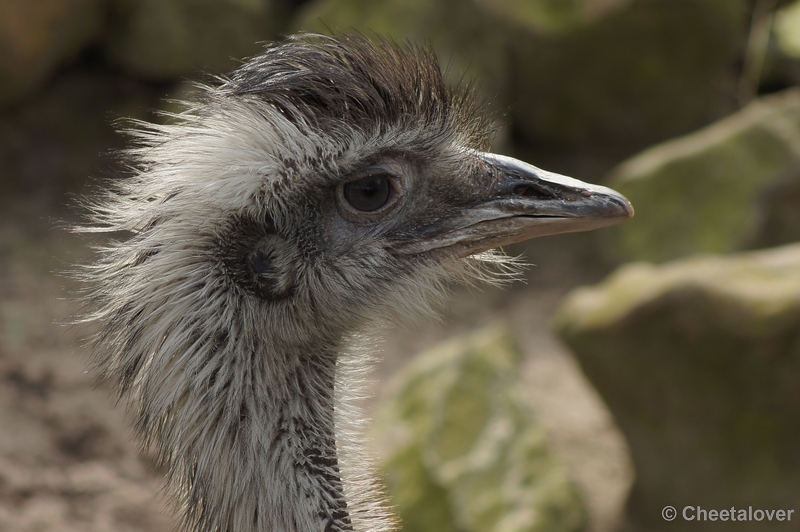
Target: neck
point(296, 448)
point(251, 444)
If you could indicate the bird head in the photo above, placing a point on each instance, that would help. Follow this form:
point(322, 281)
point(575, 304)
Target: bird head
point(326, 182)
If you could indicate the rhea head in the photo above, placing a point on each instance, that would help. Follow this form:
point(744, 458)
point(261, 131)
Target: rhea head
point(326, 185)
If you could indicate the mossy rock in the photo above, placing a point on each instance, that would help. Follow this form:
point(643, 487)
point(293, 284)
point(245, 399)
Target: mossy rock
point(643, 72)
point(164, 40)
point(464, 450)
point(37, 37)
point(699, 361)
point(51, 144)
point(467, 44)
point(781, 59)
point(603, 78)
point(469, 37)
point(730, 186)
point(786, 30)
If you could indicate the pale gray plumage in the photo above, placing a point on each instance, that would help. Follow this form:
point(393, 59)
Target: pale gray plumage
point(327, 185)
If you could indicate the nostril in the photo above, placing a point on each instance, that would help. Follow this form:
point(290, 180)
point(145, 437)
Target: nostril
point(532, 191)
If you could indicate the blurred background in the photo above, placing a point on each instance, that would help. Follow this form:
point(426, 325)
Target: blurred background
point(656, 363)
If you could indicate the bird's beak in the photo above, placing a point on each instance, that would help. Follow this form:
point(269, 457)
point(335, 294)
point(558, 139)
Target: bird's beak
point(524, 202)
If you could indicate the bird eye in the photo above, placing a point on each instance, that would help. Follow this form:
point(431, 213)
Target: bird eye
point(369, 193)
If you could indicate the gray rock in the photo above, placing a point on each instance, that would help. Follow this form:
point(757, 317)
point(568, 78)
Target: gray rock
point(38, 37)
point(781, 60)
point(642, 72)
point(550, 17)
point(787, 29)
point(603, 78)
point(730, 186)
point(464, 452)
point(470, 37)
point(465, 37)
point(51, 143)
point(167, 39)
point(699, 361)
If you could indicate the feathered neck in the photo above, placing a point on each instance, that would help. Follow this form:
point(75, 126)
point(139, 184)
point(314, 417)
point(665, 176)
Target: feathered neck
point(250, 441)
point(266, 457)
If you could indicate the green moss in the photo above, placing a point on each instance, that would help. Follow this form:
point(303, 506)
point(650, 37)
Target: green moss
point(657, 69)
point(465, 410)
point(699, 193)
point(540, 15)
point(469, 42)
point(167, 39)
point(465, 447)
point(421, 503)
point(698, 361)
point(787, 29)
point(763, 285)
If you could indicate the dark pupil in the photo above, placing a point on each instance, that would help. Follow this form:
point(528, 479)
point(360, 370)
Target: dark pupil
point(369, 193)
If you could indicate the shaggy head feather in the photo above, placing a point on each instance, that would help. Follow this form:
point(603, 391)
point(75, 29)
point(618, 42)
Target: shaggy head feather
point(230, 370)
point(326, 184)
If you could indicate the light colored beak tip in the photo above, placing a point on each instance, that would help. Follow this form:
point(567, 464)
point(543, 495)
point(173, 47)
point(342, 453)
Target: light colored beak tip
point(629, 211)
point(624, 208)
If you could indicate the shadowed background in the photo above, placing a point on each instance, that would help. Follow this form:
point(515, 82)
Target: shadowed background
point(685, 106)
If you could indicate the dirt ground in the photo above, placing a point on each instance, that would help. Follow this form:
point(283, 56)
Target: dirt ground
point(68, 461)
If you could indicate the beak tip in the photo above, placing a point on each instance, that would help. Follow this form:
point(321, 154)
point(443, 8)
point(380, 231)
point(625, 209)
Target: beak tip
point(617, 206)
point(627, 207)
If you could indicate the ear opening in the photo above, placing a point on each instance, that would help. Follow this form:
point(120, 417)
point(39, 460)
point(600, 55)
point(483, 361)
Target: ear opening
point(257, 259)
point(273, 265)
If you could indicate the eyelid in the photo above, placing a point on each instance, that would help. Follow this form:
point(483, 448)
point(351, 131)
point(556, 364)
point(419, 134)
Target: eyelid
point(391, 169)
